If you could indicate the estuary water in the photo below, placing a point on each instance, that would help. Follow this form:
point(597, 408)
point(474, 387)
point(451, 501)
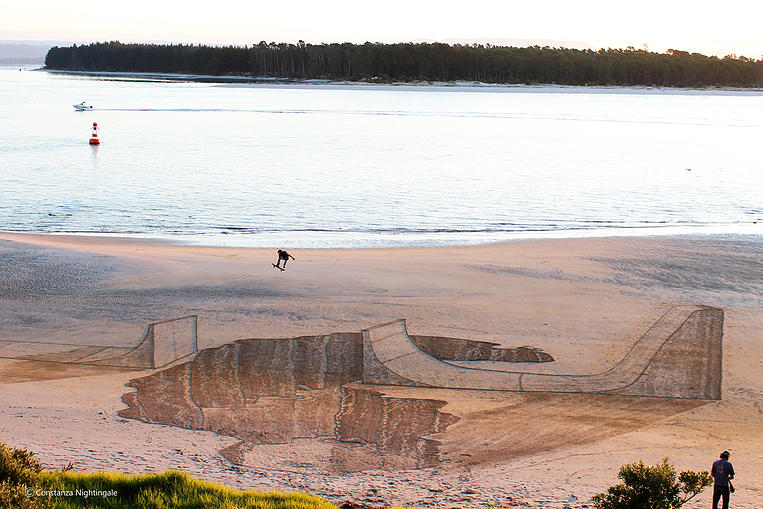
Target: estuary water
point(345, 165)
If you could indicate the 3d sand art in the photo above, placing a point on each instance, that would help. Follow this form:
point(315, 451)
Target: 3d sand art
point(382, 398)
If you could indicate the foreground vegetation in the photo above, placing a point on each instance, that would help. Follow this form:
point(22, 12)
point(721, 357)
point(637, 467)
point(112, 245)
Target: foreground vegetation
point(171, 489)
point(417, 62)
point(24, 485)
point(656, 487)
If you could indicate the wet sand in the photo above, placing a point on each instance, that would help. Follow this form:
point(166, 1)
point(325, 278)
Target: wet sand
point(583, 301)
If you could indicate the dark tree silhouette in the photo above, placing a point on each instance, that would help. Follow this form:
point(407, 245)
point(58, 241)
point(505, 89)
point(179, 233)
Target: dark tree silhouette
point(404, 62)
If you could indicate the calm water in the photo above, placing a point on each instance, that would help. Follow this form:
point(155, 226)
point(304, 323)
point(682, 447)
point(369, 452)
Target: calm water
point(356, 166)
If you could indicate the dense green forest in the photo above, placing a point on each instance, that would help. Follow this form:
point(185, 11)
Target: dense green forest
point(417, 62)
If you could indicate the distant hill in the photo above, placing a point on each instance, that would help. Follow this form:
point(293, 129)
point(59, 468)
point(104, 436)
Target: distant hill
point(26, 52)
point(21, 61)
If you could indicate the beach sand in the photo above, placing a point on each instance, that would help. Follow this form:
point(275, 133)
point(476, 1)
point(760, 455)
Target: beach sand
point(583, 301)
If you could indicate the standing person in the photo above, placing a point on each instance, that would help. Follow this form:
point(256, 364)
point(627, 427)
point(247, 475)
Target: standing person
point(282, 255)
point(722, 472)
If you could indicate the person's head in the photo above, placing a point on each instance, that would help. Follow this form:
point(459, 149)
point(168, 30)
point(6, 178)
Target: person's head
point(725, 455)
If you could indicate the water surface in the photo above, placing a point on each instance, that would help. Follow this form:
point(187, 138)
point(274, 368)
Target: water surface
point(366, 166)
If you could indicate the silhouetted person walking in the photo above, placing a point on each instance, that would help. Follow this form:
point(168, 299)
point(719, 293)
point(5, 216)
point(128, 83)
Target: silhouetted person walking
point(282, 255)
point(722, 473)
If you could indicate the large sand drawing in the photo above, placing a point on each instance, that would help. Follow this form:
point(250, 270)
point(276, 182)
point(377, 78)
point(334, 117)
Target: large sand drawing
point(163, 343)
point(384, 399)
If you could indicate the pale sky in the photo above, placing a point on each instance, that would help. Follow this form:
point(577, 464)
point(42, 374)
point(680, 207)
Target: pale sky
point(720, 28)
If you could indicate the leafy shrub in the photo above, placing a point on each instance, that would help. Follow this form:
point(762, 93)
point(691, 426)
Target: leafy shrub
point(645, 487)
point(18, 466)
point(18, 473)
point(14, 496)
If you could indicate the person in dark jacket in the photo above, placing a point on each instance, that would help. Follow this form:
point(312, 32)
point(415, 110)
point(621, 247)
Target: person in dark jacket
point(722, 473)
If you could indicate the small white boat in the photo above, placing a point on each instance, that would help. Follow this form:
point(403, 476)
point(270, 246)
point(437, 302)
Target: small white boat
point(82, 106)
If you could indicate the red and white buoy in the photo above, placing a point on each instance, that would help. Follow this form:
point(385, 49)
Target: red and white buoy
point(94, 140)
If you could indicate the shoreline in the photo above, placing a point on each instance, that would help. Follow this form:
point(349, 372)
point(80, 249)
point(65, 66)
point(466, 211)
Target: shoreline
point(437, 85)
point(368, 240)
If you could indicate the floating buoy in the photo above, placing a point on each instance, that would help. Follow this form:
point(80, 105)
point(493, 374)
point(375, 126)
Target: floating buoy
point(94, 140)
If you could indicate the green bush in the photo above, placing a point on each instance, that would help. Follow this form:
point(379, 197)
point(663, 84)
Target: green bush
point(18, 474)
point(654, 487)
point(15, 496)
point(18, 466)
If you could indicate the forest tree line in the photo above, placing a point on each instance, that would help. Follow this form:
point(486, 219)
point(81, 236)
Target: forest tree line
point(403, 62)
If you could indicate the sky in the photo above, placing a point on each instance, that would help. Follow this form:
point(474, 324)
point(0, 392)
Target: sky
point(713, 28)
